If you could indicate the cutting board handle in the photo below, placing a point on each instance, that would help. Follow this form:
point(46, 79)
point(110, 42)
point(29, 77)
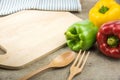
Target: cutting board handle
point(3, 50)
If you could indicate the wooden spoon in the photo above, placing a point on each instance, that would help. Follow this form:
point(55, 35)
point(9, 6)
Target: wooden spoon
point(60, 61)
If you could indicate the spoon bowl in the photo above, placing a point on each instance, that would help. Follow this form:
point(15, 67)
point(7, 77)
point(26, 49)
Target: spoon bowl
point(61, 61)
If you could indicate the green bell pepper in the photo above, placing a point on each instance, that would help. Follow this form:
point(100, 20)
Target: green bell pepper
point(81, 35)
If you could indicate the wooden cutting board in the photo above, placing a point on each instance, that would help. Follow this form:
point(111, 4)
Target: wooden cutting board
point(28, 35)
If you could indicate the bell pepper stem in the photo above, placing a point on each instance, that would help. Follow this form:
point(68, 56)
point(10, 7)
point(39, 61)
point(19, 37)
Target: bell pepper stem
point(113, 41)
point(103, 9)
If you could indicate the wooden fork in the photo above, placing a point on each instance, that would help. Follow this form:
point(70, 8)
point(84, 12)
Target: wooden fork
point(78, 64)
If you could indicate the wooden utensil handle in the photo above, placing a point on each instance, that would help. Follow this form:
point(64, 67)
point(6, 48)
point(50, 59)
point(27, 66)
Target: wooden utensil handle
point(35, 72)
point(70, 77)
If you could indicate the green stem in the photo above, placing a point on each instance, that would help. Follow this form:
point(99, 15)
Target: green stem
point(103, 9)
point(113, 41)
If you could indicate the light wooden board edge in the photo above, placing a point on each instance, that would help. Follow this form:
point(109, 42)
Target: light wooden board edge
point(35, 60)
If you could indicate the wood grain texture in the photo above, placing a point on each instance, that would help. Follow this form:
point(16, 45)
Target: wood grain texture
point(28, 35)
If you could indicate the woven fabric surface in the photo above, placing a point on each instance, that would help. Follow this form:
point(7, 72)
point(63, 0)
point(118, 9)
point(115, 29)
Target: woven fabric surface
point(11, 6)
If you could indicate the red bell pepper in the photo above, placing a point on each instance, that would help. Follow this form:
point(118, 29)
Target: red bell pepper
point(108, 39)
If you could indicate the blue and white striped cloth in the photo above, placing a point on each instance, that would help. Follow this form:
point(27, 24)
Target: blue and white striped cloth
point(11, 6)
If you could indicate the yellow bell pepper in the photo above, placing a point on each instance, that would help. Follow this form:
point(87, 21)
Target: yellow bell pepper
point(104, 11)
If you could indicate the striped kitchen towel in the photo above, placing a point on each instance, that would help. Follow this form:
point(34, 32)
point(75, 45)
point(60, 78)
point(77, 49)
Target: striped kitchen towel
point(11, 6)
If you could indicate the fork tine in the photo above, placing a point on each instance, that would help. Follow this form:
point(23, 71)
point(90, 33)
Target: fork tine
point(78, 64)
point(85, 60)
point(76, 58)
point(80, 60)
